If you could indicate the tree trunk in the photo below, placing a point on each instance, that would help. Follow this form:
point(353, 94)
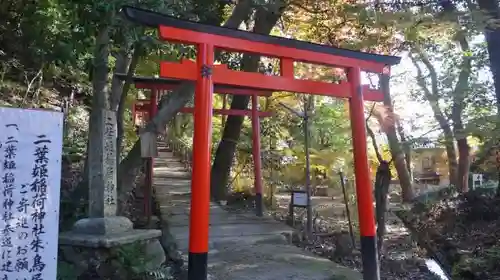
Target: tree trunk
point(459, 95)
point(432, 96)
point(224, 155)
point(451, 152)
point(134, 61)
point(406, 148)
point(492, 36)
point(498, 185)
point(395, 146)
point(221, 169)
point(121, 65)
point(382, 183)
point(493, 40)
point(463, 165)
point(374, 142)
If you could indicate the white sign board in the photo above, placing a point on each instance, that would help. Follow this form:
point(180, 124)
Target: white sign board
point(300, 199)
point(477, 177)
point(477, 180)
point(30, 172)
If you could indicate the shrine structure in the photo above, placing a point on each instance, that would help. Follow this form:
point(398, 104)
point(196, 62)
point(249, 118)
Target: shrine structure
point(210, 78)
point(144, 109)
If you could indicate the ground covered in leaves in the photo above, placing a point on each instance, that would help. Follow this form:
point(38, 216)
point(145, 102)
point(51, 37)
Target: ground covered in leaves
point(401, 259)
point(463, 231)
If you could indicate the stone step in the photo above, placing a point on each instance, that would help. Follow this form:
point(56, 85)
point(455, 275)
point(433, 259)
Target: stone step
point(165, 185)
point(171, 188)
point(168, 211)
point(230, 233)
point(169, 182)
point(160, 169)
point(220, 241)
point(185, 209)
point(171, 174)
point(216, 219)
point(235, 230)
point(167, 198)
point(167, 201)
point(172, 202)
point(167, 157)
point(161, 151)
point(163, 163)
point(176, 167)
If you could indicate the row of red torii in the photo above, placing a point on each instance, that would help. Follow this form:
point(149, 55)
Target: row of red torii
point(210, 78)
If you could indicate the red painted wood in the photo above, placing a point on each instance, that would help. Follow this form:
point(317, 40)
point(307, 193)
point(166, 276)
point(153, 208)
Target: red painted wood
point(230, 112)
point(143, 106)
point(174, 34)
point(223, 75)
point(370, 94)
point(256, 147)
point(186, 70)
point(218, 89)
point(199, 218)
point(287, 68)
point(363, 183)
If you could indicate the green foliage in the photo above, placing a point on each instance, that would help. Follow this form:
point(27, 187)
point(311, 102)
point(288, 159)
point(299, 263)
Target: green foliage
point(76, 132)
point(66, 271)
point(487, 262)
point(133, 258)
point(329, 126)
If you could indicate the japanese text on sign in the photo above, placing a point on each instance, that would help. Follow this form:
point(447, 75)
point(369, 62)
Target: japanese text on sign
point(30, 172)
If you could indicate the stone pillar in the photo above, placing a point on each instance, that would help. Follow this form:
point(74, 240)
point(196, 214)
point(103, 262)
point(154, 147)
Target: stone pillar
point(102, 180)
point(102, 168)
point(103, 229)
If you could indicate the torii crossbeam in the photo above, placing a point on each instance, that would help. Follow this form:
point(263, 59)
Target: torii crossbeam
point(206, 38)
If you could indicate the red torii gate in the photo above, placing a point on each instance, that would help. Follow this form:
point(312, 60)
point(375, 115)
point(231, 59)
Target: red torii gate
point(159, 86)
point(148, 108)
point(206, 74)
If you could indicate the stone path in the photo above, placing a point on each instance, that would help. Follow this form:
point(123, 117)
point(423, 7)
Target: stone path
point(242, 246)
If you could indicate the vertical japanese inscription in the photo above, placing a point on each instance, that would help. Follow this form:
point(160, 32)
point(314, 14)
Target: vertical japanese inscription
point(38, 192)
point(109, 160)
point(30, 152)
point(7, 237)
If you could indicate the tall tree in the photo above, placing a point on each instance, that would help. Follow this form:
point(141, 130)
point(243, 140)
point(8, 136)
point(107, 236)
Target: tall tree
point(398, 156)
point(491, 10)
point(266, 17)
point(436, 91)
point(432, 95)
